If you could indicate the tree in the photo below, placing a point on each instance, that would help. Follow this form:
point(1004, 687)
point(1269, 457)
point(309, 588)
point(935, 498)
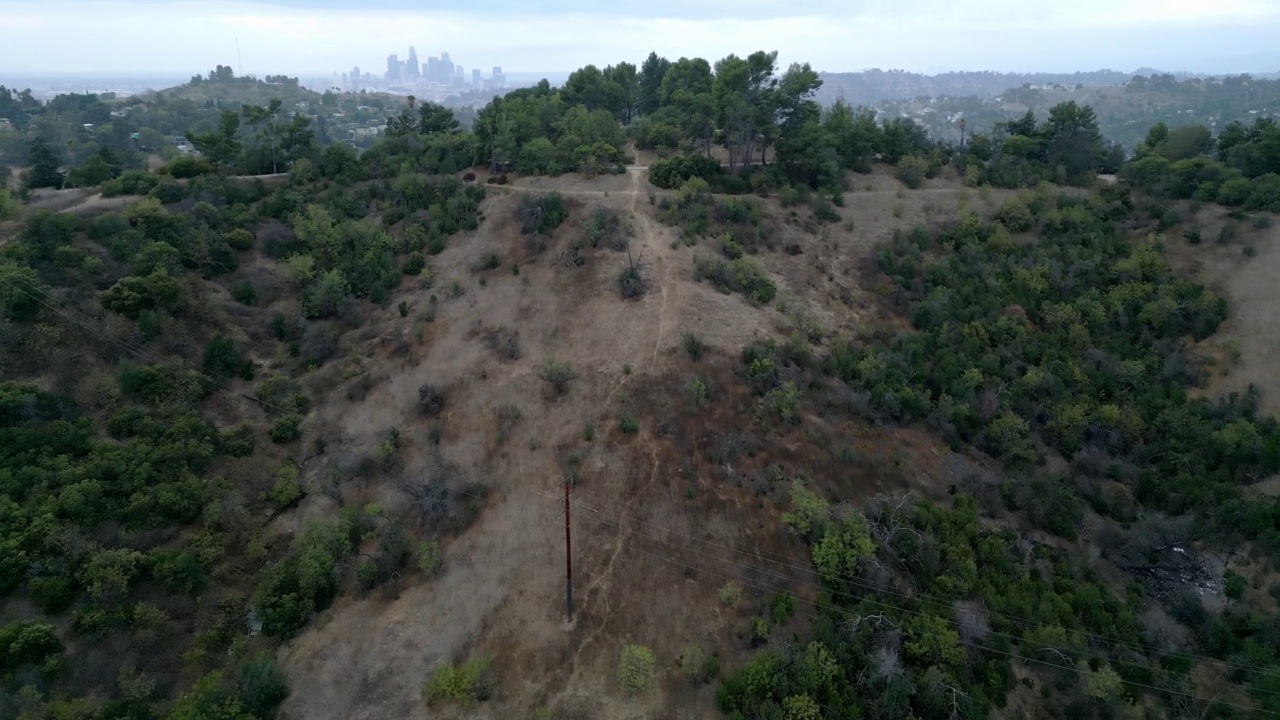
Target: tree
point(742, 93)
point(436, 119)
point(44, 166)
point(220, 146)
point(1073, 142)
point(93, 171)
point(649, 83)
point(687, 87)
point(791, 105)
point(624, 77)
point(262, 120)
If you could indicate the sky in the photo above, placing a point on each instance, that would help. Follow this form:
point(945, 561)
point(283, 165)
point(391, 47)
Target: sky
point(316, 37)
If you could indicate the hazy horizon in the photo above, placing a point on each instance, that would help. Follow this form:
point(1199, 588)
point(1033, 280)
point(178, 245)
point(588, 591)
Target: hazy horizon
point(317, 37)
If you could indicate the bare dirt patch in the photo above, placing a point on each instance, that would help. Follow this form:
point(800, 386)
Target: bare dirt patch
point(1252, 287)
point(666, 512)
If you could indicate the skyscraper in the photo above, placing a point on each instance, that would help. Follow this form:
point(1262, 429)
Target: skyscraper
point(446, 68)
point(412, 68)
point(460, 76)
point(393, 68)
point(475, 77)
point(353, 85)
point(498, 78)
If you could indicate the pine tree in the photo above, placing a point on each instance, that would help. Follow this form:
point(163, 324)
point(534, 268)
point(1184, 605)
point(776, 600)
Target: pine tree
point(44, 166)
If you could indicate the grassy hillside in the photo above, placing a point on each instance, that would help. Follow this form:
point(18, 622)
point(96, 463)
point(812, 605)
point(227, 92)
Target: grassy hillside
point(840, 439)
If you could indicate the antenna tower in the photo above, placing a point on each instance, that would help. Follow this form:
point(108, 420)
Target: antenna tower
point(239, 63)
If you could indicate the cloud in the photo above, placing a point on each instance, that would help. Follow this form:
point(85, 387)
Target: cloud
point(312, 36)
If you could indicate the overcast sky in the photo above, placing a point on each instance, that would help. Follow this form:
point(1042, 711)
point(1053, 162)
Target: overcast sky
point(310, 37)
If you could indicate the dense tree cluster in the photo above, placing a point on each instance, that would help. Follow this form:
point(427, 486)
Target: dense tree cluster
point(1239, 168)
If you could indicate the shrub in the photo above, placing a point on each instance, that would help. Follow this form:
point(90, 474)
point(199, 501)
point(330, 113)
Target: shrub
point(240, 239)
point(541, 214)
point(631, 281)
point(222, 360)
point(699, 667)
point(51, 595)
point(461, 683)
point(430, 400)
point(286, 490)
point(168, 192)
point(414, 264)
point(244, 293)
point(1016, 216)
point(750, 279)
point(604, 226)
point(823, 211)
point(429, 557)
point(636, 669)
point(9, 205)
point(785, 400)
point(261, 687)
point(912, 171)
point(693, 346)
point(628, 424)
point(671, 173)
point(557, 375)
point(188, 166)
point(730, 594)
point(287, 429)
point(697, 391)
point(486, 262)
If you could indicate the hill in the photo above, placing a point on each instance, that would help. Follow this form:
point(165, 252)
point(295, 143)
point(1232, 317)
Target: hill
point(871, 87)
point(1125, 110)
point(838, 438)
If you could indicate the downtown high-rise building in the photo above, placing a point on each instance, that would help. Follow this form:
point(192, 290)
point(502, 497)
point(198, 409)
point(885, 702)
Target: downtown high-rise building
point(412, 70)
point(475, 77)
point(393, 68)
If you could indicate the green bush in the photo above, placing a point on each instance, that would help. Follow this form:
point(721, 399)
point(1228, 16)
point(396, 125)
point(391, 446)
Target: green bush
point(636, 669)
point(671, 173)
point(461, 683)
point(240, 240)
point(188, 166)
point(1016, 216)
point(557, 375)
point(222, 360)
point(286, 429)
point(912, 171)
point(750, 279)
point(414, 264)
point(261, 686)
point(693, 345)
point(168, 192)
point(605, 227)
point(10, 206)
point(51, 595)
point(244, 293)
point(286, 490)
point(541, 214)
point(429, 557)
point(130, 182)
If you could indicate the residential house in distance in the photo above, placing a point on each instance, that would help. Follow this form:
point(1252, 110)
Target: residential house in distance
point(6, 126)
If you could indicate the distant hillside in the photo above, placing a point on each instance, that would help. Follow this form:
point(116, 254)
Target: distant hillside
point(874, 86)
point(1125, 112)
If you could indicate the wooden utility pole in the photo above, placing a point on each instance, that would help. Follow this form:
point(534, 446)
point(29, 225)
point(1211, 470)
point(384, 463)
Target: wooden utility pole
point(568, 556)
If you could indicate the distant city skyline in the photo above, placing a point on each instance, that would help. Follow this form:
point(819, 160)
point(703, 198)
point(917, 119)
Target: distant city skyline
point(313, 37)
